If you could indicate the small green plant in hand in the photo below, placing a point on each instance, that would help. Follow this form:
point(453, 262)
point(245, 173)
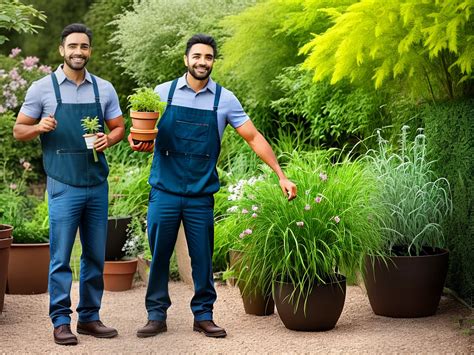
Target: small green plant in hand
point(91, 126)
point(146, 100)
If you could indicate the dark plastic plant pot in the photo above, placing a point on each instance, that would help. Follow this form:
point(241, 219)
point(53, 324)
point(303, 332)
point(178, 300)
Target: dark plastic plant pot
point(116, 237)
point(323, 306)
point(5, 244)
point(406, 286)
point(255, 303)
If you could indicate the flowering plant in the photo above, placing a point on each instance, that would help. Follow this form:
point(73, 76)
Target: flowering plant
point(330, 227)
point(135, 243)
point(417, 200)
point(16, 74)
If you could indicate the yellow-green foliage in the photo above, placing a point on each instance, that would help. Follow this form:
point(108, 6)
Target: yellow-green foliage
point(382, 39)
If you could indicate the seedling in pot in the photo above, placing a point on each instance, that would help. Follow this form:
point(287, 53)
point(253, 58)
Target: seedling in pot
point(91, 127)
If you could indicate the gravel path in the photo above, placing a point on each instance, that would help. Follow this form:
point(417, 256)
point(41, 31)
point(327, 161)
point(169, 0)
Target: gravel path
point(25, 328)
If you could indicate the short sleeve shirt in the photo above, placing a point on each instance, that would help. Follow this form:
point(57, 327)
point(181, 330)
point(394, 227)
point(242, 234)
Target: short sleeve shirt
point(40, 99)
point(229, 111)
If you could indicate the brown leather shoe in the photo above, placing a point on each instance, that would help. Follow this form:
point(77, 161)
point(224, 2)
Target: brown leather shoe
point(152, 328)
point(209, 328)
point(64, 336)
point(96, 329)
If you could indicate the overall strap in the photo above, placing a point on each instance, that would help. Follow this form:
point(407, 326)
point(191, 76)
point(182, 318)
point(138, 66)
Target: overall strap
point(217, 97)
point(172, 89)
point(56, 88)
point(96, 89)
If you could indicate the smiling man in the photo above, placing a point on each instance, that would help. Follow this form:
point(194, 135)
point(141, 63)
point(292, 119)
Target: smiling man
point(184, 179)
point(77, 186)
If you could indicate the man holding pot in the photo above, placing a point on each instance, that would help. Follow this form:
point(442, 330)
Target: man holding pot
point(77, 186)
point(184, 179)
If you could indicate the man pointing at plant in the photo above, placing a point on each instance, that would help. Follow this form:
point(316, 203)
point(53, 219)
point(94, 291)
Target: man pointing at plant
point(184, 179)
point(58, 108)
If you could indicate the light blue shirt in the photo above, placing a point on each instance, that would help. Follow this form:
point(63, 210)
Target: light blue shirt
point(40, 99)
point(229, 111)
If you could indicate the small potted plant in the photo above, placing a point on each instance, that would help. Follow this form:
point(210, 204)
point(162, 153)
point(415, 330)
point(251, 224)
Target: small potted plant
point(302, 251)
point(91, 127)
point(145, 109)
point(410, 282)
point(118, 275)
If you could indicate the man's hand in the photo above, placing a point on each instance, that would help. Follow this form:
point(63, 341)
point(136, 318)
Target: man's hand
point(102, 142)
point(47, 124)
point(141, 146)
point(288, 188)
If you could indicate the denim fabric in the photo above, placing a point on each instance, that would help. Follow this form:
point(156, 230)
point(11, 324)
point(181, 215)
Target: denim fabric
point(70, 208)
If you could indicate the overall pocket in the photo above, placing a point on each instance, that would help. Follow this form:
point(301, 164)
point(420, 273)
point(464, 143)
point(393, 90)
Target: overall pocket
point(194, 131)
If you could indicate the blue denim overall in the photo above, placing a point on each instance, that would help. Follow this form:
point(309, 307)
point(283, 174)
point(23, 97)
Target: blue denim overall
point(77, 189)
point(183, 179)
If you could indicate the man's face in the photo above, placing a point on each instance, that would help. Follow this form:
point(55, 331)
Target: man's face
point(76, 50)
point(199, 61)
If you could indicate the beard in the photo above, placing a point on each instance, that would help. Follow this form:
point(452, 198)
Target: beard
point(200, 76)
point(76, 66)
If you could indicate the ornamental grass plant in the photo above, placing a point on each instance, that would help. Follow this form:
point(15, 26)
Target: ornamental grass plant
point(417, 200)
point(328, 229)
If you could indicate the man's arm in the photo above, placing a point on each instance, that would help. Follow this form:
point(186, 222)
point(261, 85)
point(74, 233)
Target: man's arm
point(27, 128)
point(260, 146)
point(117, 131)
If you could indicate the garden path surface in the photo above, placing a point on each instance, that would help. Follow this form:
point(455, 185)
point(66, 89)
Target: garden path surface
point(25, 328)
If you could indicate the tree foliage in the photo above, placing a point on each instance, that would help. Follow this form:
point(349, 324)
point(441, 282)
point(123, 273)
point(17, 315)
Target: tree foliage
point(15, 16)
point(151, 37)
point(408, 39)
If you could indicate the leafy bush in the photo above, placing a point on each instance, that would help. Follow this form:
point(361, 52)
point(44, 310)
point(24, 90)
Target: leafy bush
point(451, 146)
point(419, 202)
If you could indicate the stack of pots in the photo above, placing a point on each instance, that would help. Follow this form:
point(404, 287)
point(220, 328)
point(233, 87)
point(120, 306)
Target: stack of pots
point(143, 126)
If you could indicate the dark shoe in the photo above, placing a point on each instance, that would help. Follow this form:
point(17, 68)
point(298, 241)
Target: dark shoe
point(209, 328)
point(64, 336)
point(152, 328)
point(96, 329)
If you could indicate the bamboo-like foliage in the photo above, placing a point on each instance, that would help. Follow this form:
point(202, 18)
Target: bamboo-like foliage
point(378, 40)
point(331, 226)
point(417, 199)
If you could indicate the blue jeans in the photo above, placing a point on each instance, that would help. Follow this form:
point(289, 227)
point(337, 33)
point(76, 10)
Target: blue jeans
point(71, 207)
point(165, 213)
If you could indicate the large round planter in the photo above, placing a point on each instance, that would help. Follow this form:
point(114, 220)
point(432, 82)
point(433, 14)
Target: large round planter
point(5, 244)
point(6, 231)
point(116, 237)
point(118, 275)
point(255, 303)
point(406, 286)
point(28, 269)
point(144, 120)
point(323, 306)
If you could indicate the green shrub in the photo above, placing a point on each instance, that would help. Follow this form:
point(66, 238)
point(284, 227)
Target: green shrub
point(451, 130)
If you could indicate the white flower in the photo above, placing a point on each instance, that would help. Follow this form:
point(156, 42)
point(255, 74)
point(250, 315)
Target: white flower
point(300, 224)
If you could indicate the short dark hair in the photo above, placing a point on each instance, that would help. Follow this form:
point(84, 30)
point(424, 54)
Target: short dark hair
point(203, 39)
point(76, 28)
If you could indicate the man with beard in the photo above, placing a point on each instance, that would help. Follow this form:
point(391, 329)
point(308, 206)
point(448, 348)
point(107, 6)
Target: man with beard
point(77, 186)
point(184, 179)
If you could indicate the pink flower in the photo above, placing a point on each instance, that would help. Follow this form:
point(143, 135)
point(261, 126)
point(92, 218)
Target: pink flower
point(318, 199)
point(14, 52)
point(336, 219)
point(26, 165)
point(254, 215)
point(30, 62)
point(241, 235)
point(254, 208)
point(2, 109)
point(323, 176)
point(307, 207)
point(13, 186)
point(248, 231)
point(300, 224)
point(245, 211)
point(45, 69)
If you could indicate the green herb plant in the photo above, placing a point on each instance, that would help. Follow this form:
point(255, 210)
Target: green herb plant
point(146, 100)
point(91, 126)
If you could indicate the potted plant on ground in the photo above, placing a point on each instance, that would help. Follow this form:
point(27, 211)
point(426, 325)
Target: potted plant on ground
point(91, 127)
point(145, 109)
point(410, 282)
point(118, 275)
point(5, 243)
point(300, 250)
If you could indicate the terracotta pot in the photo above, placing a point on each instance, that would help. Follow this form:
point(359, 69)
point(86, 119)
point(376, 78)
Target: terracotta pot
point(323, 306)
point(5, 244)
point(116, 237)
point(118, 275)
point(143, 135)
point(28, 269)
point(6, 231)
point(144, 120)
point(406, 286)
